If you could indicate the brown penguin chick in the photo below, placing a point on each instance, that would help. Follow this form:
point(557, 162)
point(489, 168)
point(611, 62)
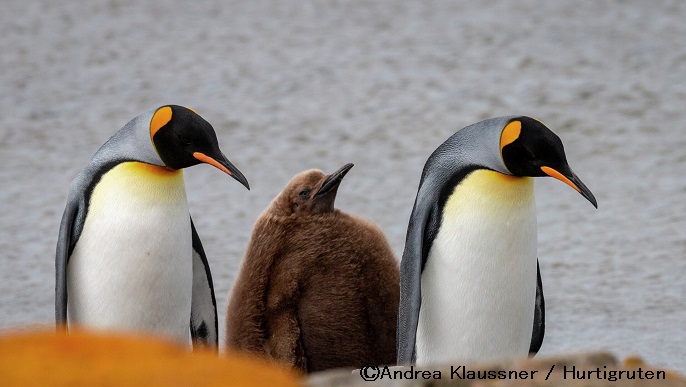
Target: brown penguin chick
point(318, 288)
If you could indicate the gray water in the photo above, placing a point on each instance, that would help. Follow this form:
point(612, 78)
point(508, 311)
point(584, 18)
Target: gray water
point(296, 85)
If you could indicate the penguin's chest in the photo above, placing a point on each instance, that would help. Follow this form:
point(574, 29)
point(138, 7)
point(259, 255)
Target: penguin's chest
point(479, 282)
point(131, 267)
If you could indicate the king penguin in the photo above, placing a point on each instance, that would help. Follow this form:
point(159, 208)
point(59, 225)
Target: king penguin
point(128, 255)
point(470, 285)
point(318, 288)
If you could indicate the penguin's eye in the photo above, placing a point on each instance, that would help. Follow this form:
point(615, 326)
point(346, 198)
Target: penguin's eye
point(184, 139)
point(305, 194)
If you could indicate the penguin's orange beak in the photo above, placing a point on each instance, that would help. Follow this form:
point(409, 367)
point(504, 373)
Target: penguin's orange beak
point(572, 180)
point(222, 163)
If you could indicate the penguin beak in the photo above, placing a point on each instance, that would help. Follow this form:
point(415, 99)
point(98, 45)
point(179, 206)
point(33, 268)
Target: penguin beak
point(568, 177)
point(223, 163)
point(331, 183)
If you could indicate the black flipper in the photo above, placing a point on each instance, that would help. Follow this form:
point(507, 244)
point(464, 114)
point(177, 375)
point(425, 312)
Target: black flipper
point(539, 316)
point(203, 322)
point(422, 229)
point(64, 244)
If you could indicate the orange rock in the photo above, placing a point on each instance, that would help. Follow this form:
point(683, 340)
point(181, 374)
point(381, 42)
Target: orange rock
point(633, 362)
point(47, 358)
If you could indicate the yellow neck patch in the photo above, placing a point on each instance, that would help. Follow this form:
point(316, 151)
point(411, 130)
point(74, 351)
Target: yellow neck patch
point(145, 178)
point(149, 169)
point(489, 192)
point(138, 182)
point(161, 117)
point(510, 133)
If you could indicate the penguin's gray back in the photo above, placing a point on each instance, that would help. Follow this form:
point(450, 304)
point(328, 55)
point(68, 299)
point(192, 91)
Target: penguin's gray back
point(460, 154)
point(130, 143)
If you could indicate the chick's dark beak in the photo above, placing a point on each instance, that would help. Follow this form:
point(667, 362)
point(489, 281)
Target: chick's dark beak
point(332, 182)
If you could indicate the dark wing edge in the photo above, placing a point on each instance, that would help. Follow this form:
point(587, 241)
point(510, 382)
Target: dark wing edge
point(539, 316)
point(203, 322)
point(62, 259)
point(411, 268)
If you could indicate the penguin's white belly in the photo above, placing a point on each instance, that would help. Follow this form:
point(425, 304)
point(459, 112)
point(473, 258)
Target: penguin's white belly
point(479, 282)
point(131, 268)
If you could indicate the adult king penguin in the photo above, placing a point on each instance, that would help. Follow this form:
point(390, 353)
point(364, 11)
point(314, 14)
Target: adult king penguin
point(470, 285)
point(128, 256)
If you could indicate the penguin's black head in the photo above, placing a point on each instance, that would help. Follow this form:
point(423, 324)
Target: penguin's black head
point(182, 139)
point(311, 192)
point(529, 148)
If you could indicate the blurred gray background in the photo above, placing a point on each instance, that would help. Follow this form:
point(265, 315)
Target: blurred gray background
point(316, 84)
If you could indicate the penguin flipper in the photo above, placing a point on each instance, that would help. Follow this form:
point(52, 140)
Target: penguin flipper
point(203, 323)
point(420, 233)
point(408, 310)
point(539, 316)
point(62, 259)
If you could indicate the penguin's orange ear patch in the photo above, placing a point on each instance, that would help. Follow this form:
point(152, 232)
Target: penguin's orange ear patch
point(510, 133)
point(161, 117)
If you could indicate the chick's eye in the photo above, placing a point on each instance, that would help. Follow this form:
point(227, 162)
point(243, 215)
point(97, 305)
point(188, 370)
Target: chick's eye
point(304, 193)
